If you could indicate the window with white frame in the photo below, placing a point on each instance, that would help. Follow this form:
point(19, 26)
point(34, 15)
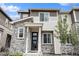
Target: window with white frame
point(44, 16)
point(21, 32)
point(47, 37)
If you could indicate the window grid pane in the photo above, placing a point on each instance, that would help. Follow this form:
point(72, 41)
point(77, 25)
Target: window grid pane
point(21, 32)
point(49, 38)
point(69, 40)
point(41, 16)
point(45, 16)
point(45, 38)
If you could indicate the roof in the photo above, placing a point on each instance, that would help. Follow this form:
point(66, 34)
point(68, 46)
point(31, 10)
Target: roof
point(20, 20)
point(23, 11)
point(65, 12)
point(5, 14)
point(75, 8)
point(37, 9)
point(44, 9)
point(48, 10)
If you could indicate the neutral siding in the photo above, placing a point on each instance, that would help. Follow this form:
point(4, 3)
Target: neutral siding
point(6, 26)
point(4, 21)
point(77, 16)
point(48, 25)
point(24, 15)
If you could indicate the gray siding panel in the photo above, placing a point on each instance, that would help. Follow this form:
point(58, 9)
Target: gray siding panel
point(77, 16)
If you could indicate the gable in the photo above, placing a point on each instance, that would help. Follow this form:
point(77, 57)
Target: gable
point(28, 19)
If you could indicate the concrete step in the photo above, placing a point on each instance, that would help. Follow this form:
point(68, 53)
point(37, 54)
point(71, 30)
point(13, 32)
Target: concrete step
point(32, 54)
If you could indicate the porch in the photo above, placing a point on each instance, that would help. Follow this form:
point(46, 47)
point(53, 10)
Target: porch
point(33, 38)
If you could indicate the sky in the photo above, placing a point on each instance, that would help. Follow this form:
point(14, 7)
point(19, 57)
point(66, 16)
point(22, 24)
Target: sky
point(12, 8)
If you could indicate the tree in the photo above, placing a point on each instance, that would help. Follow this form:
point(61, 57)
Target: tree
point(61, 29)
point(74, 37)
point(63, 33)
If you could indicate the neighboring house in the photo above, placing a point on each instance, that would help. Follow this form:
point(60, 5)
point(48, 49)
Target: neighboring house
point(5, 30)
point(35, 32)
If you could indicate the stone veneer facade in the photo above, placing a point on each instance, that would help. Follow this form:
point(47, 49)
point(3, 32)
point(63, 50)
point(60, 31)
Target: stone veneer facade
point(20, 44)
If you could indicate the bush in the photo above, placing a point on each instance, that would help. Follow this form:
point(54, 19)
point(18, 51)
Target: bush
point(15, 54)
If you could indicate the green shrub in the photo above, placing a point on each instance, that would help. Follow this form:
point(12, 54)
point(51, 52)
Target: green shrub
point(15, 54)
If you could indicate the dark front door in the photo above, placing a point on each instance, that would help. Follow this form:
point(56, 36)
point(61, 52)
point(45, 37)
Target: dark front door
point(8, 40)
point(34, 44)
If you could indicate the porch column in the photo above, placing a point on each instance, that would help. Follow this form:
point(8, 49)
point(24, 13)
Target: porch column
point(39, 40)
point(27, 39)
point(57, 44)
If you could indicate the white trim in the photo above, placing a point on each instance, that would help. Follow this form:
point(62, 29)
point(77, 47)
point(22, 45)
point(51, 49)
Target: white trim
point(43, 38)
point(21, 20)
point(23, 32)
point(27, 40)
point(39, 41)
point(33, 24)
point(44, 13)
point(74, 15)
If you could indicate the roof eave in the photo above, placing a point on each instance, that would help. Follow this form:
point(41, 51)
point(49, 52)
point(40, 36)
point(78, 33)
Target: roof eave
point(5, 14)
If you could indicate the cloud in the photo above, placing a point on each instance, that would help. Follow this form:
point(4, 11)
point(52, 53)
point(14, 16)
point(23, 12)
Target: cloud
point(15, 17)
point(65, 4)
point(9, 8)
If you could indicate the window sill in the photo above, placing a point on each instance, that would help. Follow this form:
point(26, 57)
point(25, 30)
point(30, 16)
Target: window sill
point(47, 43)
point(43, 21)
point(20, 38)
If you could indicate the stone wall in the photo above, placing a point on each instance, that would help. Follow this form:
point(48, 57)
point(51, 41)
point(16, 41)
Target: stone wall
point(48, 48)
point(67, 49)
point(16, 43)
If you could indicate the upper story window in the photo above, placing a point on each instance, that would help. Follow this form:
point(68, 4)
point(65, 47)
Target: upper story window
point(21, 32)
point(47, 38)
point(44, 16)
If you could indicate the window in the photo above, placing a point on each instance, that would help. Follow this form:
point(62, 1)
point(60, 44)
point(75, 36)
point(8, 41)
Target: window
point(77, 30)
point(47, 37)
point(43, 16)
point(20, 32)
point(69, 40)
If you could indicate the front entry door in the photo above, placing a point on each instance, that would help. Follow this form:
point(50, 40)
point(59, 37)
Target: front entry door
point(34, 44)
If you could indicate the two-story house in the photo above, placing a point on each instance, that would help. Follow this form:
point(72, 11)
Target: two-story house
point(5, 30)
point(34, 32)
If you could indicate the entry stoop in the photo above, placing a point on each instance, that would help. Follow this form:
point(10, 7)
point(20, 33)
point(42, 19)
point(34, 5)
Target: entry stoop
point(32, 54)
